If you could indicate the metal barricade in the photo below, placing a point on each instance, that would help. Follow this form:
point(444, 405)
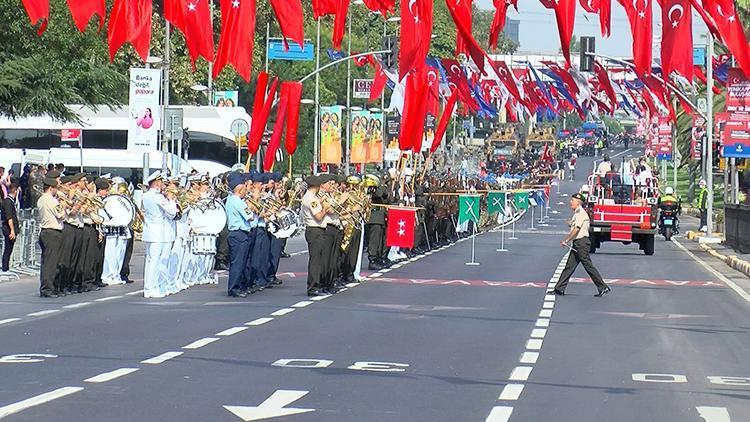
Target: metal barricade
point(26, 256)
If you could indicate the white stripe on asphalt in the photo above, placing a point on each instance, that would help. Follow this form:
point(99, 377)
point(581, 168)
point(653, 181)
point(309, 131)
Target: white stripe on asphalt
point(37, 400)
point(743, 294)
point(529, 357)
point(137, 292)
point(319, 298)
point(376, 275)
point(109, 376)
point(41, 313)
point(534, 344)
point(231, 331)
point(104, 299)
point(302, 304)
point(9, 320)
point(385, 270)
point(511, 392)
point(77, 305)
point(542, 322)
point(538, 333)
point(545, 313)
point(282, 312)
point(162, 358)
point(200, 343)
point(548, 305)
point(259, 321)
point(499, 414)
point(520, 373)
point(713, 414)
point(549, 298)
point(350, 285)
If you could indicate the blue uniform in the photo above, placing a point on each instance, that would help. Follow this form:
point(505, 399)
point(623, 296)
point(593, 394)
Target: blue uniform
point(240, 223)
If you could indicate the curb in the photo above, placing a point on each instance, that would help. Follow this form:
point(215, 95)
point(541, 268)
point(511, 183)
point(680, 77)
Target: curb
point(731, 260)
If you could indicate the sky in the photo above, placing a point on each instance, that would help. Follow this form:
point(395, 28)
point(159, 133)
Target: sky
point(538, 28)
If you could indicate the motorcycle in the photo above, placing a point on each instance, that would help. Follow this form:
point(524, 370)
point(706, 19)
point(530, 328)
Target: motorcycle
point(668, 223)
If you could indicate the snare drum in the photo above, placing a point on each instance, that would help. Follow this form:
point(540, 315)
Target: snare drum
point(203, 244)
point(112, 231)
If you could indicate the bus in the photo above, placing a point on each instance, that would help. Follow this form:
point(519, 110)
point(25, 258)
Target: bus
point(37, 140)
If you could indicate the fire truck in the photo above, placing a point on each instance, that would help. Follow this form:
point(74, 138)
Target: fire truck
point(624, 209)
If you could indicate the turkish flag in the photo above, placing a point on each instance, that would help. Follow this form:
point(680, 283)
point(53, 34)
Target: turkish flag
point(463, 31)
point(507, 78)
point(278, 129)
point(294, 97)
point(289, 15)
point(378, 84)
point(416, 34)
point(38, 11)
point(193, 19)
point(498, 22)
point(337, 8)
point(457, 80)
point(605, 83)
point(415, 108)
point(400, 227)
point(237, 37)
point(463, 14)
point(444, 120)
point(260, 117)
point(130, 20)
point(382, 6)
point(603, 9)
point(732, 33)
point(639, 14)
point(83, 10)
point(677, 38)
point(565, 13)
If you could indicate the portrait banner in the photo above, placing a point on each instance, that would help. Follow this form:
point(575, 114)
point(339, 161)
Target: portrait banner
point(359, 148)
point(143, 109)
point(330, 134)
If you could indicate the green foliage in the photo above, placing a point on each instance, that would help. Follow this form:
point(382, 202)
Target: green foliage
point(613, 125)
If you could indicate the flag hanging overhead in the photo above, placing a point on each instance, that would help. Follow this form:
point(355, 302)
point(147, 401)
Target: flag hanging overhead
point(416, 34)
point(639, 14)
point(83, 10)
point(38, 11)
point(677, 38)
point(130, 21)
point(193, 19)
point(237, 37)
point(565, 13)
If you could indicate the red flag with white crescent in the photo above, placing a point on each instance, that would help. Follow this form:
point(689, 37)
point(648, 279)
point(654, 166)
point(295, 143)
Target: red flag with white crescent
point(237, 37)
point(677, 38)
point(193, 19)
point(416, 34)
point(498, 22)
point(639, 14)
point(732, 33)
point(415, 109)
point(605, 83)
point(130, 21)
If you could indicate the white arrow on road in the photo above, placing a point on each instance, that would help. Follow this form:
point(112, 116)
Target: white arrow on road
point(272, 407)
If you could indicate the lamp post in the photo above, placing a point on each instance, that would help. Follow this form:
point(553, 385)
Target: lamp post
point(710, 132)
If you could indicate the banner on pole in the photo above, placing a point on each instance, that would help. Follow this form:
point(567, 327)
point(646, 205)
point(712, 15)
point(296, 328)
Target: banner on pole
point(664, 139)
point(330, 134)
point(697, 134)
point(521, 200)
point(738, 92)
point(392, 128)
point(496, 202)
point(143, 109)
point(737, 136)
point(362, 88)
point(401, 223)
point(375, 133)
point(468, 208)
point(360, 146)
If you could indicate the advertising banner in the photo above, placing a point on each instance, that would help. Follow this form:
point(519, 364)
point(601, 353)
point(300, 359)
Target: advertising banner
point(330, 134)
point(143, 109)
point(70, 135)
point(360, 140)
point(392, 128)
point(737, 136)
point(375, 133)
point(362, 88)
point(226, 98)
point(663, 146)
point(738, 92)
point(697, 135)
point(430, 125)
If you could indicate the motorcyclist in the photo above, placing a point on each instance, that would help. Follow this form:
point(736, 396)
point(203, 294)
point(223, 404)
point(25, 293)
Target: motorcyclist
point(669, 202)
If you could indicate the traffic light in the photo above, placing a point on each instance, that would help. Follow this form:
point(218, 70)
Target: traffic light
point(390, 59)
point(587, 61)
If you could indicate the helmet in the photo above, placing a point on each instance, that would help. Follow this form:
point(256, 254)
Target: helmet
point(585, 188)
point(669, 190)
point(702, 182)
point(353, 180)
point(371, 180)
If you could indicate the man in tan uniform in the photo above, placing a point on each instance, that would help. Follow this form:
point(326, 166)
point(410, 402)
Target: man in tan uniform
point(579, 252)
point(51, 215)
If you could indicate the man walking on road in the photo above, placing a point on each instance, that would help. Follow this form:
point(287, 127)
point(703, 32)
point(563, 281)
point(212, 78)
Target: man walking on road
point(579, 252)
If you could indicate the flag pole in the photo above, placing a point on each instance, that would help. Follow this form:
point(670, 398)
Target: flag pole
point(513, 233)
point(502, 237)
point(532, 219)
point(475, 221)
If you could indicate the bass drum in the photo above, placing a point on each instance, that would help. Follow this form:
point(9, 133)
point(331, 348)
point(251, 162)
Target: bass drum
point(288, 223)
point(118, 211)
point(209, 220)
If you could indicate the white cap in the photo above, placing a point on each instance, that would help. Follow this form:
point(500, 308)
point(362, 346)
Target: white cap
point(669, 190)
point(154, 176)
point(408, 171)
point(238, 167)
point(585, 188)
point(702, 182)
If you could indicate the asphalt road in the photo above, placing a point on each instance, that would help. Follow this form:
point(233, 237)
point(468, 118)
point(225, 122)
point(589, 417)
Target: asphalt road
point(432, 340)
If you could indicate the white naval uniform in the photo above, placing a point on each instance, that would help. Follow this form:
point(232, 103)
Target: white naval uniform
point(203, 265)
point(158, 235)
point(179, 258)
point(114, 255)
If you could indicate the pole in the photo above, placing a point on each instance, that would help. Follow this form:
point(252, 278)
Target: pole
point(382, 111)
point(316, 135)
point(513, 232)
point(710, 132)
point(165, 93)
point(502, 235)
point(80, 148)
point(258, 166)
point(473, 240)
point(210, 64)
point(532, 219)
point(348, 98)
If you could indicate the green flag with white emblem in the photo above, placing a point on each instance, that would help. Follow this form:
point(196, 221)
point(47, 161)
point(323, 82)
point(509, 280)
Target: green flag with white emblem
point(468, 208)
point(521, 200)
point(496, 202)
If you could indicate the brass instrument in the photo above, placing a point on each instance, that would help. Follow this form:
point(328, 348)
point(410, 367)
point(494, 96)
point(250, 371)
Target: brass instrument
point(344, 215)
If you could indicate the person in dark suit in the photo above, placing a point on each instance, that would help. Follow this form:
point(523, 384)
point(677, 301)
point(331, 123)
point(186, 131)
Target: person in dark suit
point(9, 224)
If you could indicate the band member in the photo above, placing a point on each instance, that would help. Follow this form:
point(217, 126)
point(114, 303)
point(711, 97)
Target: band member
point(72, 240)
point(51, 215)
point(117, 239)
point(92, 239)
point(333, 234)
point(376, 226)
point(240, 225)
point(276, 245)
point(261, 248)
point(203, 264)
point(159, 211)
point(314, 214)
point(179, 275)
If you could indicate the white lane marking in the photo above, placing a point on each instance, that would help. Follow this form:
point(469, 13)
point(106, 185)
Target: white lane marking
point(350, 285)
point(77, 305)
point(538, 333)
point(271, 407)
point(259, 321)
point(162, 358)
point(534, 344)
point(499, 414)
point(9, 320)
point(137, 292)
point(545, 313)
point(319, 298)
point(710, 414)
point(37, 400)
point(549, 298)
point(529, 357)
point(743, 294)
point(520, 373)
point(376, 275)
point(302, 304)
point(41, 313)
point(385, 270)
point(200, 343)
point(109, 376)
point(282, 312)
point(231, 331)
point(511, 392)
point(542, 322)
point(104, 299)
point(548, 305)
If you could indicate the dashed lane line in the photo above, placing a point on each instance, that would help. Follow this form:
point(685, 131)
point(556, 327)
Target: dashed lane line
point(529, 357)
point(282, 312)
point(321, 297)
point(200, 343)
point(350, 285)
point(77, 305)
point(108, 298)
point(9, 320)
point(520, 373)
point(545, 313)
point(231, 331)
point(134, 293)
point(511, 392)
point(534, 344)
point(538, 333)
point(109, 376)
point(259, 321)
point(500, 414)
point(42, 313)
point(303, 304)
point(548, 305)
point(162, 358)
point(542, 322)
point(37, 400)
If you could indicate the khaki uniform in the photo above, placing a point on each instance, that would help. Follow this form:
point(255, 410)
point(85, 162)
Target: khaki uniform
point(580, 253)
point(51, 217)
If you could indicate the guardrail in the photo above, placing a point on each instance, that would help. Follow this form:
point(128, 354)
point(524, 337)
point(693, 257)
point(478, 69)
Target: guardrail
point(737, 227)
point(26, 257)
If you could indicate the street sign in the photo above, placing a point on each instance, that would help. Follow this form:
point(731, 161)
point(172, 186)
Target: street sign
point(702, 105)
point(294, 53)
point(70, 135)
point(699, 56)
point(239, 127)
point(362, 88)
point(173, 123)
